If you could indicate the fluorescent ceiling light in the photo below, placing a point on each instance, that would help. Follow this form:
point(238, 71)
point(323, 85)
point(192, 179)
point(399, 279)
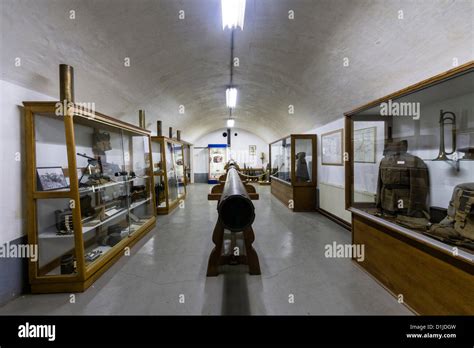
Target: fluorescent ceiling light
point(231, 97)
point(233, 13)
point(230, 122)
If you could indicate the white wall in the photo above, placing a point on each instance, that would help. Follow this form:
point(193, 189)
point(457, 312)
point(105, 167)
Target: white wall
point(330, 180)
point(239, 149)
point(12, 179)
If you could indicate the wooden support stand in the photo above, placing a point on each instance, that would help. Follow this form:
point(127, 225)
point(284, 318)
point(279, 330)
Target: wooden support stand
point(216, 258)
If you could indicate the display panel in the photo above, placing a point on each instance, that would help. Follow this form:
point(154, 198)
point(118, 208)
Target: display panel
point(414, 162)
point(217, 161)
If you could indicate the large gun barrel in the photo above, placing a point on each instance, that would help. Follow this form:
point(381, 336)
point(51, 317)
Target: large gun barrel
point(236, 210)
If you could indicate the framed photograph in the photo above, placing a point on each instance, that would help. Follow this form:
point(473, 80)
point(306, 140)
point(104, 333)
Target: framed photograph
point(51, 178)
point(252, 150)
point(364, 145)
point(331, 148)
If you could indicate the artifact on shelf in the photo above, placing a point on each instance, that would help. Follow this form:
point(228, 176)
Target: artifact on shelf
point(458, 226)
point(468, 152)
point(302, 174)
point(100, 142)
point(64, 223)
point(446, 118)
point(95, 172)
point(403, 182)
point(93, 255)
point(67, 264)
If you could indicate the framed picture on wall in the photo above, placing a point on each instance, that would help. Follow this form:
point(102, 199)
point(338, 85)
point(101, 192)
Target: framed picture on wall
point(331, 148)
point(252, 150)
point(364, 145)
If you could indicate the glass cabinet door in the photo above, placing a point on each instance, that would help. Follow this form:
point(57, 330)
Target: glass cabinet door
point(171, 173)
point(103, 187)
point(303, 156)
point(281, 159)
point(138, 167)
point(54, 225)
point(179, 165)
point(159, 174)
point(52, 171)
point(187, 163)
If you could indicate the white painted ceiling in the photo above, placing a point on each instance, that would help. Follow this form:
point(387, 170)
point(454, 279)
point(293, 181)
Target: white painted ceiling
point(186, 62)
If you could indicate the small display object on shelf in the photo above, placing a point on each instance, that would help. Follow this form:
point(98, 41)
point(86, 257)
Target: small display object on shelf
point(169, 173)
point(217, 161)
point(293, 171)
point(51, 178)
point(332, 148)
point(410, 188)
point(89, 192)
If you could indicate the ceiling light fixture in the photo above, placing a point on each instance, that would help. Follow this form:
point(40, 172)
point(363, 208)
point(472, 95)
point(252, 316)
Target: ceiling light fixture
point(233, 13)
point(231, 97)
point(230, 123)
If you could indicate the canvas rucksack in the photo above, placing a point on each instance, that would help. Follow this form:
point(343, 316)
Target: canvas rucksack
point(461, 209)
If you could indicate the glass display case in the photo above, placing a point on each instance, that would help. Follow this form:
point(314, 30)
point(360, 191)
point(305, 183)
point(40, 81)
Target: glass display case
point(187, 152)
point(217, 161)
point(90, 190)
point(293, 171)
point(410, 174)
point(169, 173)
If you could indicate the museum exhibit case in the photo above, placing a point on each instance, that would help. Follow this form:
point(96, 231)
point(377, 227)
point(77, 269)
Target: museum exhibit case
point(168, 172)
point(293, 171)
point(89, 192)
point(217, 161)
point(187, 151)
point(410, 189)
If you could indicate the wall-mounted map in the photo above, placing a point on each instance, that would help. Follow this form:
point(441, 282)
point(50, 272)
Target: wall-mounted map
point(364, 145)
point(331, 148)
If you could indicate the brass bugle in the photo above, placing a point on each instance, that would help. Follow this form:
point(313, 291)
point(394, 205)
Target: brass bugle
point(446, 118)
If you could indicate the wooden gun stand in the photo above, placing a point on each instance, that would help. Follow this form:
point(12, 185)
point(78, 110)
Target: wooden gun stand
point(216, 258)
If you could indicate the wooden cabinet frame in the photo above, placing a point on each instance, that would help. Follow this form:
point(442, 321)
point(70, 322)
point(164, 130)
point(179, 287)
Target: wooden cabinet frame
point(84, 276)
point(303, 194)
point(170, 206)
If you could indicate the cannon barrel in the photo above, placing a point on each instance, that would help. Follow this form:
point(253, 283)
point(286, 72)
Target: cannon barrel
point(236, 210)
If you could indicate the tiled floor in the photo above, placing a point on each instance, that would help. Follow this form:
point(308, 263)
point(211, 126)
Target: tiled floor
point(169, 266)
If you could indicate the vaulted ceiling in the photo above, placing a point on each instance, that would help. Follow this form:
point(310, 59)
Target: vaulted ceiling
point(185, 62)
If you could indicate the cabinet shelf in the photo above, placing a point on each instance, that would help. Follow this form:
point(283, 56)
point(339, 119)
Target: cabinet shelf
point(85, 190)
point(52, 232)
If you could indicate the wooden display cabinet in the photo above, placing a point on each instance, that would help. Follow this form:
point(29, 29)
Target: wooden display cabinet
point(432, 276)
point(89, 192)
point(293, 171)
point(169, 173)
point(187, 155)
